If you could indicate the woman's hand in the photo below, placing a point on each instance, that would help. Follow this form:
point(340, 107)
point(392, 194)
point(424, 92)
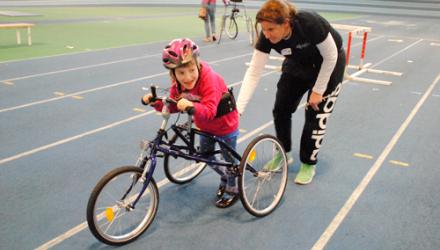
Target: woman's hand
point(314, 100)
point(183, 104)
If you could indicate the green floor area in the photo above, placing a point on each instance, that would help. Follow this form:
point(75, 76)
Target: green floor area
point(61, 30)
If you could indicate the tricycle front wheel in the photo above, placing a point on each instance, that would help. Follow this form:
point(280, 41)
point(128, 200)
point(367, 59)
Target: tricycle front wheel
point(111, 217)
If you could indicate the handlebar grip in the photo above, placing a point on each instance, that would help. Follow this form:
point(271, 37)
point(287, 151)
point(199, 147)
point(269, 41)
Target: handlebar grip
point(190, 110)
point(153, 91)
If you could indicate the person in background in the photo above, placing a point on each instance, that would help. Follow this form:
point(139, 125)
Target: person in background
point(314, 64)
point(209, 20)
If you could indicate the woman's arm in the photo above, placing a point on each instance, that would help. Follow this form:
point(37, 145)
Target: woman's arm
point(251, 79)
point(329, 54)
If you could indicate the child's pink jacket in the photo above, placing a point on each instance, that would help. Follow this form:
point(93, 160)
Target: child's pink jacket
point(208, 91)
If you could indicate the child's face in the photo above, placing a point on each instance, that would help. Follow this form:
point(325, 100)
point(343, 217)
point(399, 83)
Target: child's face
point(187, 75)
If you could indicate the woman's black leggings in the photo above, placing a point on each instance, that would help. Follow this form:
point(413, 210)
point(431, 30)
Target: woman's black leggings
point(290, 90)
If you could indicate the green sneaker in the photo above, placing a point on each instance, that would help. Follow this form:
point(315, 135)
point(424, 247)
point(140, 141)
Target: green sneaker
point(305, 174)
point(275, 164)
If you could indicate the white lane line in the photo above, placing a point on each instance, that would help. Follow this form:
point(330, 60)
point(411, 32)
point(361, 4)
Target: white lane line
point(57, 240)
point(80, 92)
point(371, 40)
point(107, 86)
point(80, 52)
point(112, 85)
point(57, 143)
point(62, 237)
point(85, 67)
point(115, 84)
point(337, 220)
point(79, 68)
point(395, 40)
point(398, 52)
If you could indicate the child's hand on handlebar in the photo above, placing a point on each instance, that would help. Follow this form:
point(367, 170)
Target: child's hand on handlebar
point(183, 104)
point(147, 99)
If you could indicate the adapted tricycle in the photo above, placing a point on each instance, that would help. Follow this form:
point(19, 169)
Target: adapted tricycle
point(124, 202)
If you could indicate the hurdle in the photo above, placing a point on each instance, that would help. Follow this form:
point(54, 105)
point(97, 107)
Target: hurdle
point(361, 67)
point(356, 31)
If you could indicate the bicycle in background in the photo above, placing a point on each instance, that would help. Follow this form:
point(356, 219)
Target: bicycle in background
point(229, 21)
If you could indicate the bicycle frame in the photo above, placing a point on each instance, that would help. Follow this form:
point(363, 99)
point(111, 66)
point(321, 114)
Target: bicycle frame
point(232, 11)
point(175, 150)
point(235, 8)
point(148, 161)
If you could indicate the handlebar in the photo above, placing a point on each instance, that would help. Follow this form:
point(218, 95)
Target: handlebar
point(232, 2)
point(153, 91)
point(165, 110)
point(168, 100)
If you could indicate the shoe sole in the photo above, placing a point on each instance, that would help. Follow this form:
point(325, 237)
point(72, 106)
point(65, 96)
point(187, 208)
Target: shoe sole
point(235, 199)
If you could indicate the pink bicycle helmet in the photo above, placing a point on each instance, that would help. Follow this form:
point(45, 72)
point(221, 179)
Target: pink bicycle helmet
point(178, 52)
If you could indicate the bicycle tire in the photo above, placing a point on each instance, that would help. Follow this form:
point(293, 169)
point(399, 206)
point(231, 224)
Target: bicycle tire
point(261, 190)
point(106, 215)
point(231, 27)
point(179, 170)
